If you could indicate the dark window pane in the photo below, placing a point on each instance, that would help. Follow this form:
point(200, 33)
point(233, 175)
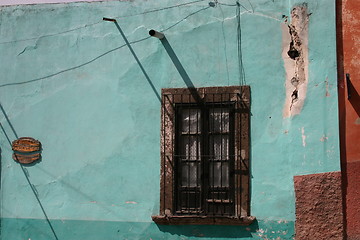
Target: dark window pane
point(219, 174)
point(189, 174)
point(219, 120)
point(190, 147)
point(219, 147)
point(190, 120)
point(190, 201)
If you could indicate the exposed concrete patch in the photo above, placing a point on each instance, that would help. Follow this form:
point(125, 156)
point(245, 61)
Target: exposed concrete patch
point(319, 212)
point(295, 56)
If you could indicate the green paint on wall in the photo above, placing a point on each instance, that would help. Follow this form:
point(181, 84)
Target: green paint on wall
point(68, 79)
point(99, 230)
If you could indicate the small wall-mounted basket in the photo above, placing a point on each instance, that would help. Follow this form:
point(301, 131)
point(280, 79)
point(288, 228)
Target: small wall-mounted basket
point(26, 150)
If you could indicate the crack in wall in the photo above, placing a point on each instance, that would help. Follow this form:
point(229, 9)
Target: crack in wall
point(295, 55)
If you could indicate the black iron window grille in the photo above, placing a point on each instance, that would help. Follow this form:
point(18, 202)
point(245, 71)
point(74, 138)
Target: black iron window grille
point(205, 156)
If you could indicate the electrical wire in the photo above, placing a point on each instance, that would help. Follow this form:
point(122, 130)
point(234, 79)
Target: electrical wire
point(156, 10)
point(235, 5)
point(239, 50)
point(100, 56)
point(191, 14)
point(53, 34)
point(225, 47)
point(98, 22)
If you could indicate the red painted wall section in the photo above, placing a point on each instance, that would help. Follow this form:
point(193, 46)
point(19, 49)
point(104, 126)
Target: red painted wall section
point(348, 37)
point(351, 51)
point(319, 212)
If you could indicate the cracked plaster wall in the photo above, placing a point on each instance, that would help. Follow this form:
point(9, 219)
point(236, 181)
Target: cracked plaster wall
point(69, 81)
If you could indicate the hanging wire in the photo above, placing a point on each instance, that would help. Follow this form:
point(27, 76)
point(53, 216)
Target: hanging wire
point(236, 4)
point(193, 13)
point(239, 50)
point(156, 10)
point(98, 22)
point(52, 34)
point(100, 56)
point(225, 47)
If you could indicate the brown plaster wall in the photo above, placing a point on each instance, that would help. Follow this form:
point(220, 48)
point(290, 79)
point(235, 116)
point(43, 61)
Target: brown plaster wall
point(352, 200)
point(318, 206)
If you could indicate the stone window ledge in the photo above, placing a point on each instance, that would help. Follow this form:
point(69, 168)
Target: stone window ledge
point(202, 220)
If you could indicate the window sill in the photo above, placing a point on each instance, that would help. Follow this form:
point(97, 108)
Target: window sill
point(202, 220)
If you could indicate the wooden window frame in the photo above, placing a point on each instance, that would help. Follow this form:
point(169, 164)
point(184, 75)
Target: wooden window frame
point(240, 96)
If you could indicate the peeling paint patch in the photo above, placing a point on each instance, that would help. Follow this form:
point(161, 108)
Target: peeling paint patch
point(295, 56)
point(323, 138)
point(131, 202)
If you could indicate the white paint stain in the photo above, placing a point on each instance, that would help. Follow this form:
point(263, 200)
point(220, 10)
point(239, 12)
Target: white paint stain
point(327, 94)
point(323, 138)
point(303, 137)
point(131, 202)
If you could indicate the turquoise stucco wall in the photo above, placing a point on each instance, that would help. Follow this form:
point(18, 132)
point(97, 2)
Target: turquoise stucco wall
point(68, 79)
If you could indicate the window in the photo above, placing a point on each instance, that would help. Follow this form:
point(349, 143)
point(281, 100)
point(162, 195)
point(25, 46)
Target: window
point(205, 156)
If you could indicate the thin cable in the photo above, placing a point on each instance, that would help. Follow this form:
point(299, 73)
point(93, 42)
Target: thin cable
point(72, 68)
point(225, 47)
point(202, 9)
point(95, 23)
point(252, 7)
point(96, 58)
point(53, 34)
point(239, 50)
point(23, 170)
point(160, 9)
point(234, 5)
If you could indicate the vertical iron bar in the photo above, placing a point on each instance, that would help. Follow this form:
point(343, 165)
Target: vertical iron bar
point(173, 151)
point(180, 163)
point(164, 154)
point(189, 156)
point(213, 157)
point(240, 157)
point(196, 162)
point(236, 157)
point(204, 150)
point(221, 149)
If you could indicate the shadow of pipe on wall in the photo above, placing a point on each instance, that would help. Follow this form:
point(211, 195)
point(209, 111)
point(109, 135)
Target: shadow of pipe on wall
point(211, 231)
point(137, 60)
point(181, 69)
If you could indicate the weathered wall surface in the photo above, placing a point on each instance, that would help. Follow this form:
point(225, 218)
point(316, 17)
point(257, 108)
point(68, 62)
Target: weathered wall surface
point(349, 108)
point(68, 79)
point(319, 212)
